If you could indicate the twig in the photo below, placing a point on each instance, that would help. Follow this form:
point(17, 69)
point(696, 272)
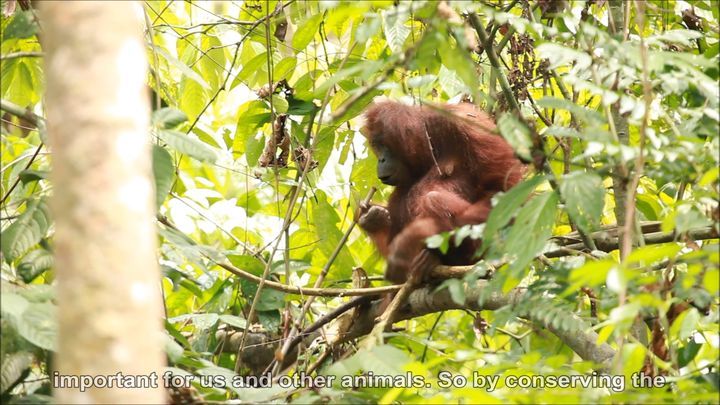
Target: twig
point(321, 277)
point(14, 55)
point(313, 292)
point(539, 159)
point(34, 119)
point(494, 61)
point(17, 180)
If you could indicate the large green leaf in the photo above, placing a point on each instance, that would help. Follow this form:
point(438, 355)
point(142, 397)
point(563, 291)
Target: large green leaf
point(168, 118)
point(250, 69)
point(306, 32)
point(34, 264)
point(185, 69)
point(26, 231)
point(396, 32)
point(505, 209)
point(13, 305)
point(269, 300)
point(184, 143)
point(581, 113)
point(212, 60)
point(192, 98)
point(15, 366)
point(163, 173)
point(38, 324)
point(517, 135)
point(459, 61)
point(284, 69)
point(326, 221)
point(23, 25)
point(584, 196)
point(532, 227)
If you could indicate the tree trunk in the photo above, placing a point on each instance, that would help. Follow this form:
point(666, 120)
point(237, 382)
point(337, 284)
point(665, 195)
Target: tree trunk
point(107, 272)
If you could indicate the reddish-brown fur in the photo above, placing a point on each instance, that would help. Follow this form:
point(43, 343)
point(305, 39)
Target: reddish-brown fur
point(448, 187)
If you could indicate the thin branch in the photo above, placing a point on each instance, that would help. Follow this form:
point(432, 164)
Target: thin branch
point(14, 55)
point(653, 238)
point(539, 158)
point(287, 346)
point(429, 300)
point(23, 113)
point(494, 61)
point(34, 119)
point(17, 180)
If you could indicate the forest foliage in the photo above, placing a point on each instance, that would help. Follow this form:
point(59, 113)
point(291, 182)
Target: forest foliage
point(614, 230)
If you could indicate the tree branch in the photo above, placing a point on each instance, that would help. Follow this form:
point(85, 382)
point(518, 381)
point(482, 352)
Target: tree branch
point(428, 300)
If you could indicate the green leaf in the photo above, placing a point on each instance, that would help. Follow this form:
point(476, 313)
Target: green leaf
point(21, 88)
point(689, 217)
point(280, 105)
point(38, 292)
point(357, 107)
point(306, 32)
point(205, 321)
point(583, 114)
point(506, 207)
point(269, 300)
point(34, 264)
point(562, 132)
point(450, 82)
point(649, 206)
point(173, 349)
point(15, 367)
point(396, 32)
point(168, 117)
point(633, 357)
point(284, 69)
point(653, 253)
point(532, 227)
point(28, 175)
point(439, 241)
point(326, 220)
point(253, 149)
point(324, 146)
point(368, 28)
point(604, 334)
point(13, 305)
point(711, 281)
point(301, 107)
point(26, 231)
point(687, 353)
point(249, 263)
point(591, 274)
point(163, 173)
point(234, 320)
point(192, 98)
point(212, 61)
point(381, 360)
point(457, 290)
point(684, 37)
point(38, 325)
point(584, 196)
point(458, 60)
point(417, 82)
point(249, 69)
point(185, 69)
point(357, 69)
point(686, 324)
point(22, 25)
point(188, 145)
point(252, 116)
point(559, 55)
point(517, 135)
